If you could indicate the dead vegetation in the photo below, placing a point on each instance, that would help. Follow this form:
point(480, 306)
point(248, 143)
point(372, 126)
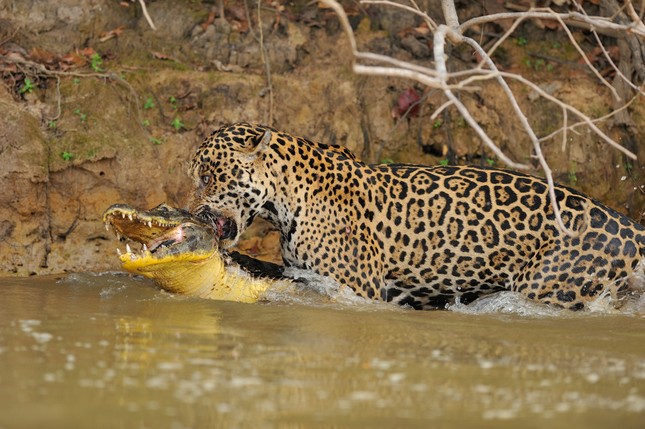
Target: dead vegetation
point(625, 24)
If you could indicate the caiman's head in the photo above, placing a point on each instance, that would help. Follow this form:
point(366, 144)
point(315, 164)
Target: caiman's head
point(165, 235)
point(179, 252)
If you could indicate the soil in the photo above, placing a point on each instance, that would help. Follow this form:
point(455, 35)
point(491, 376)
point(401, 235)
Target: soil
point(97, 108)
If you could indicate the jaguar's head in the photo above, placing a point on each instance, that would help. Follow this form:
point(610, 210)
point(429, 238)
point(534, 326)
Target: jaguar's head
point(232, 179)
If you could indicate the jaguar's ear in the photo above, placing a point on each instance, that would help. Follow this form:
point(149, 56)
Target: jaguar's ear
point(264, 141)
point(261, 146)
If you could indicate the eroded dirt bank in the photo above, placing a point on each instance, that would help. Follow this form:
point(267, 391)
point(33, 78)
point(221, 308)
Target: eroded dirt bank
point(98, 108)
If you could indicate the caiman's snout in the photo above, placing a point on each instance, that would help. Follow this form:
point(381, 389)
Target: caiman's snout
point(226, 227)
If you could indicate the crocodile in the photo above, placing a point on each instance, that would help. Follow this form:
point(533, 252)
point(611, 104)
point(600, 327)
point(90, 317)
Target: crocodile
point(181, 254)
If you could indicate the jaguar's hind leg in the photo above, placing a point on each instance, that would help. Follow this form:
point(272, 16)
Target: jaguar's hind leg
point(560, 276)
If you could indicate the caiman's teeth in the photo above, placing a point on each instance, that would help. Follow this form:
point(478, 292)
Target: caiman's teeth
point(118, 251)
point(127, 248)
point(107, 226)
point(149, 224)
point(118, 236)
point(130, 217)
point(123, 215)
point(145, 253)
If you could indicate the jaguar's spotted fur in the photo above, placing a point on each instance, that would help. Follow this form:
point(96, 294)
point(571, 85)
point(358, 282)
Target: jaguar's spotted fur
point(414, 235)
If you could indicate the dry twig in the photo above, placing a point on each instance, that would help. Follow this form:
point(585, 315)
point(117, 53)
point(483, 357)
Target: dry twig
point(145, 13)
point(264, 56)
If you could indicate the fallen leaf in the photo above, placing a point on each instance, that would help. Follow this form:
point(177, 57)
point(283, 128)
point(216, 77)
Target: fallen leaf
point(88, 52)
point(240, 26)
point(597, 56)
point(277, 6)
point(8, 68)
point(160, 56)
point(211, 18)
point(420, 33)
point(73, 59)
point(422, 30)
point(408, 102)
point(236, 12)
point(236, 15)
point(42, 56)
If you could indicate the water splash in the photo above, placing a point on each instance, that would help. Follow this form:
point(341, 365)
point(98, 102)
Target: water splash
point(317, 290)
point(508, 303)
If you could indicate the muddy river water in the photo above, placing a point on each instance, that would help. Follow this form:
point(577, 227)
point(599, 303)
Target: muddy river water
point(110, 351)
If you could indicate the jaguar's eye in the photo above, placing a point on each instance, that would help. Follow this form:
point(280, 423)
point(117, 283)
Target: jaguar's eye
point(206, 179)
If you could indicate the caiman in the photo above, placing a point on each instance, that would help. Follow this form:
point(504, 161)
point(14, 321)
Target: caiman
point(182, 255)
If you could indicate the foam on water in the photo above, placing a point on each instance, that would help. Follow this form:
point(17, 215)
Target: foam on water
point(318, 290)
point(507, 303)
point(314, 289)
point(516, 303)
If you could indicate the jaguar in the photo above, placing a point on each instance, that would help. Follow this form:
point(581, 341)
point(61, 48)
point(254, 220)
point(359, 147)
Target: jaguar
point(418, 236)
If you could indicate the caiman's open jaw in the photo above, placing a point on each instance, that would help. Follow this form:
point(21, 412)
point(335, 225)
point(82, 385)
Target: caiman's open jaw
point(163, 232)
point(180, 252)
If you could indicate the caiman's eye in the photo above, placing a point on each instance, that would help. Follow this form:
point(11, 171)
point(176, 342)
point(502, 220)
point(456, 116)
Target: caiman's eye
point(206, 179)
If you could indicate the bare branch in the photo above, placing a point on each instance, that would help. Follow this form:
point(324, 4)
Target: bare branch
point(145, 13)
point(573, 127)
point(415, 10)
point(264, 55)
point(440, 65)
point(570, 18)
point(504, 37)
point(450, 13)
point(486, 75)
point(449, 83)
point(638, 20)
point(616, 69)
point(584, 57)
point(440, 109)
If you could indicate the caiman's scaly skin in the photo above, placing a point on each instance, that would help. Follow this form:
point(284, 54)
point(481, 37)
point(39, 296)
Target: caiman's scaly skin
point(181, 254)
